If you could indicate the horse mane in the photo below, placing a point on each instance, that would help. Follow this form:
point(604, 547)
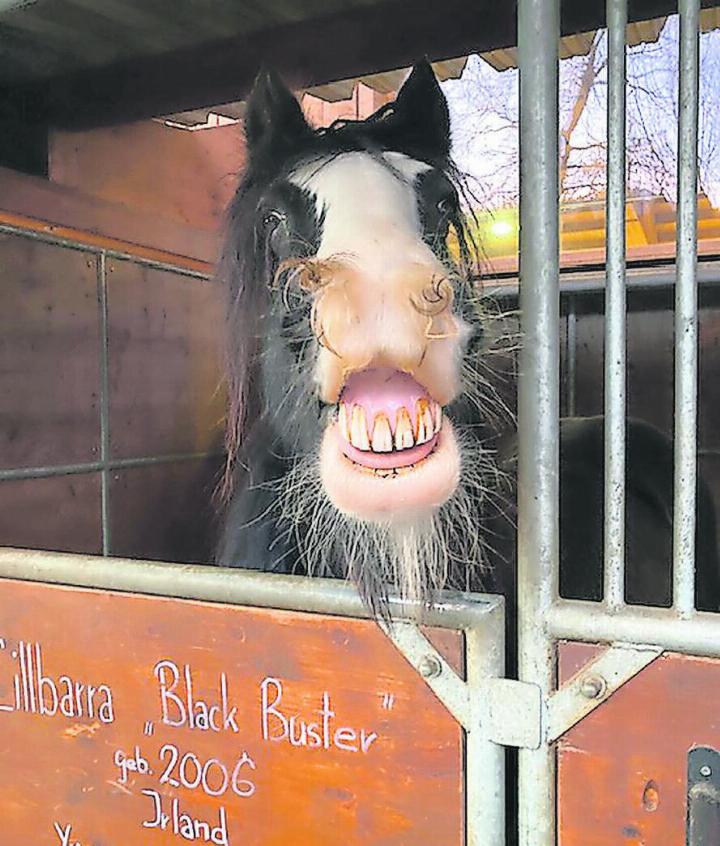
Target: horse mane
point(245, 284)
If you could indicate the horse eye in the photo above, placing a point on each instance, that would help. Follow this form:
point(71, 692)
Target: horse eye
point(273, 219)
point(446, 205)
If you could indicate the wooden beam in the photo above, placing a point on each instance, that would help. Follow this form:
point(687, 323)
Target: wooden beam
point(33, 203)
point(362, 40)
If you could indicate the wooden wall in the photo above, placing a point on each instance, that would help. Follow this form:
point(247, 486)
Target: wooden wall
point(164, 398)
point(159, 389)
point(180, 176)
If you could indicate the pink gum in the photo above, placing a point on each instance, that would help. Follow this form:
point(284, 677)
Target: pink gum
point(383, 390)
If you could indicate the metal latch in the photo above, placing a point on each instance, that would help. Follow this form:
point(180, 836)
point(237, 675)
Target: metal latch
point(703, 797)
point(505, 711)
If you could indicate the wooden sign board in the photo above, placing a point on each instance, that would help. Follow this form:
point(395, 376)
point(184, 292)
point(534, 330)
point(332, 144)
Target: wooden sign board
point(623, 770)
point(128, 719)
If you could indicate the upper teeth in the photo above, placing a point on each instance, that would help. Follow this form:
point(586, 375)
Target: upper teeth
point(382, 439)
point(358, 428)
point(404, 437)
point(410, 429)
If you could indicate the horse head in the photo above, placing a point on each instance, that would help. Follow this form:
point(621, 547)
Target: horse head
point(355, 332)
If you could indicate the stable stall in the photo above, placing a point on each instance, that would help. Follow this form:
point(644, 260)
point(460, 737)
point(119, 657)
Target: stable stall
point(147, 697)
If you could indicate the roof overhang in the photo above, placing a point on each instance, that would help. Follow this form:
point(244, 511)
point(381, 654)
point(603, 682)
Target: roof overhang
point(316, 48)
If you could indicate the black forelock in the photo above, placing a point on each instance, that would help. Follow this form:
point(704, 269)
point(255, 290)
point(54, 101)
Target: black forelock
point(379, 133)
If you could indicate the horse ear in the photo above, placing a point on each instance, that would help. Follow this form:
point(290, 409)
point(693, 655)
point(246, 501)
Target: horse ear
point(421, 113)
point(274, 122)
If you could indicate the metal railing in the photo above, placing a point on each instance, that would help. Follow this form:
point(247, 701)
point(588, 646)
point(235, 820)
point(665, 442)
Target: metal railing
point(686, 358)
point(538, 392)
point(543, 617)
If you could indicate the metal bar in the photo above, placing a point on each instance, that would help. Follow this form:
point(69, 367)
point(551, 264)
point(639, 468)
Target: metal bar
point(104, 406)
point(698, 634)
point(150, 460)
point(686, 332)
point(95, 466)
point(453, 610)
point(538, 392)
point(485, 760)
point(90, 248)
point(571, 358)
point(615, 310)
point(595, 683)
point(703, 797)
point(593, 281)
point(440, 677)
point(50, 470)
point(470, 703)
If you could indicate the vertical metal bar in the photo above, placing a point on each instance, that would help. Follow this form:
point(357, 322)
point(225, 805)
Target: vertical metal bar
point(485, 773)
point(686, 332)
point(571, 356)
point(104, 407)
point(538, 392)
point(615, 307)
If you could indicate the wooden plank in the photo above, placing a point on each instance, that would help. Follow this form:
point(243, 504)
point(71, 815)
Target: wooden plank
point(91, 239)
point(622, 770)
point(645, 211)
point(143, 29)
point(58, 28)
point(51, 346)
point(33, 203)
point(596, 256)
point(22, 59)
point(268, 727)
point(148, 27)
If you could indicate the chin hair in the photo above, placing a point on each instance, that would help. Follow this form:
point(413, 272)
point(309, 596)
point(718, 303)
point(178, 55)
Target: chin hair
point(409, 560)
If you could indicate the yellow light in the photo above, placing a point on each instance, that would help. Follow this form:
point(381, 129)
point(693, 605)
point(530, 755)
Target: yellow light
point(501, 228)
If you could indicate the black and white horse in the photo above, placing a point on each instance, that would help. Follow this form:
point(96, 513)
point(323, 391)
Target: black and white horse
point(363, 436)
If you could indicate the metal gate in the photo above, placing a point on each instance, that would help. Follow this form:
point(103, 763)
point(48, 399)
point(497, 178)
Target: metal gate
point(532, 713)
point(637, 634)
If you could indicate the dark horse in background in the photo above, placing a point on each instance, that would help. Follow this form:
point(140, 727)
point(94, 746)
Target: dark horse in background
point(363, 433)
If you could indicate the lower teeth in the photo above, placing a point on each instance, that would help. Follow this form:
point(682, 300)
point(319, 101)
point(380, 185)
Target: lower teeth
point(388, 472)
point(385, 472)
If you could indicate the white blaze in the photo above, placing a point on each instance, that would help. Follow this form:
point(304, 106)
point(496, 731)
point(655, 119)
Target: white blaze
point(370, 221)
point(370, 210)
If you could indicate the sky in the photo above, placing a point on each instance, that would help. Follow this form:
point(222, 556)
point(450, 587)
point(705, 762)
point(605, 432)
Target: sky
point(484, 119)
